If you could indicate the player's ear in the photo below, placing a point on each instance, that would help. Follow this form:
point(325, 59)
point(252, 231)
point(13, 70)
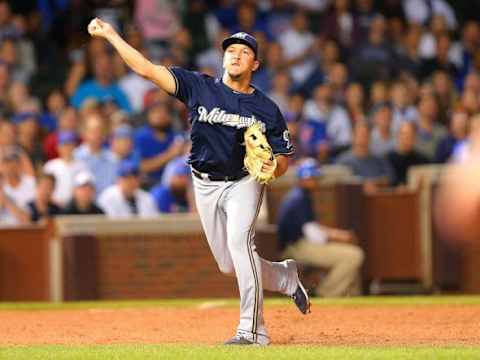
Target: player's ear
point(256, 65)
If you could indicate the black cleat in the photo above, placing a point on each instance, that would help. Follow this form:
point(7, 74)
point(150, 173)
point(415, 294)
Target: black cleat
point(300, 296)
point(239, 340)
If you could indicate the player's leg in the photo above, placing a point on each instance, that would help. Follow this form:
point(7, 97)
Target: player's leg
point(208, 196)
point(278, 277)
point(343, 262)
point(242, 205)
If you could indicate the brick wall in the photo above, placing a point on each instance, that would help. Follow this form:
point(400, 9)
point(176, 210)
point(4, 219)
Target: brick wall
point(156, 266)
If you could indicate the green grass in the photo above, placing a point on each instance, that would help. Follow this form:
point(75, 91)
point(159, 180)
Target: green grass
point(136, 352)
point(360, 301)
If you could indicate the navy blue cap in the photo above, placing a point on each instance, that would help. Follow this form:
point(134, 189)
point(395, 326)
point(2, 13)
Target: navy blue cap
point(308, 168)
point(67, 137)
point(241, 38)
point(23, 116)
point(128, 168)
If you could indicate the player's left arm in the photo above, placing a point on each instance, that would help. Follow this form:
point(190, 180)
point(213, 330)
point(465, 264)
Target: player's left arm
point(282, 165)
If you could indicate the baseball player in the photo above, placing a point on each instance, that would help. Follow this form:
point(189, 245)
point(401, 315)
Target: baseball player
point(228, 198)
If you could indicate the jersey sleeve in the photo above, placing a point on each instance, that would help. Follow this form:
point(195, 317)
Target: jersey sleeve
point(279, 137)
point(188, 85)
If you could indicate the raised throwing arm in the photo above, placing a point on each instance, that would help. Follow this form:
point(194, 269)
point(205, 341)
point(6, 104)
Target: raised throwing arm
point(158, 74)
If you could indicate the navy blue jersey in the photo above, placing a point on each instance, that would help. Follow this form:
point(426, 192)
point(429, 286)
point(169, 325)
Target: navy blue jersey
point(296, 210)
point(219, 116)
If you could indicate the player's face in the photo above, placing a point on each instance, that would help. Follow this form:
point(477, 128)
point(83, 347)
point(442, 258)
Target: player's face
point(238, 60)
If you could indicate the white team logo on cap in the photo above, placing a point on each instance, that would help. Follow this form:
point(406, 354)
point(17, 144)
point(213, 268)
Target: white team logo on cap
point(241, 35)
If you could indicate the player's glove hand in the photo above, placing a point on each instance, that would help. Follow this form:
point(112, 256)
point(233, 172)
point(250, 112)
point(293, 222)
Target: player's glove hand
point(259, 160)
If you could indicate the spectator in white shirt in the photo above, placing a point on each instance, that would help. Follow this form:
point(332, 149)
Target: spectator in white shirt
point(64, 168)
point(16, 191)
point(421, 11)
point(298, 45)
point(125, 199)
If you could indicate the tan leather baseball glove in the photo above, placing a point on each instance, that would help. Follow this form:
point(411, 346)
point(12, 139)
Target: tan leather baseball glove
point(258, 150)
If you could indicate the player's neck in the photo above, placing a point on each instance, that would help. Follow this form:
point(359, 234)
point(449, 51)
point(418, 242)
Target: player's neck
point(241, 85)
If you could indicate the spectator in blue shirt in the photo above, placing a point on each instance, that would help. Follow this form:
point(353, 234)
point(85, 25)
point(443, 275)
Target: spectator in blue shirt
point(157, 142)
point(102, 86)
point(92, 152)
point(121, 145)
point(309, 242)
point(175, 194)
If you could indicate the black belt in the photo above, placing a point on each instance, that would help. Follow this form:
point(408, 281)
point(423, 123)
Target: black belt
point(205, 176)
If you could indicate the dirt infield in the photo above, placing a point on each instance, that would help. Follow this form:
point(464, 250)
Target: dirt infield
point(326, 325)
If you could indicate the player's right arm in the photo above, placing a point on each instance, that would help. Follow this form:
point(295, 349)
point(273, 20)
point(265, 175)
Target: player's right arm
point(158, 74)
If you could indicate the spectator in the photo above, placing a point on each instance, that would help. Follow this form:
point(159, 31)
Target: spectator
point(176, 195)
point(83, 201)
point(409, 59)
point(402, 108)
point(56, 103)
point(430, 132)
point(64, 168)
point(365, 12)
point(121, 145)
point(445, 94)
point(309, 242)
point(7, 27)
point(28, 136)
point(469, 45)
point(17, 190)
point(381, 136)
point(157, 142)
point(280, 90)
point(10, 54)
point(5, 83)
point(101, 86)
point(273, 63)
point(248, 20)
point(355, 103)
point(158, 21)
point(457, 134)
point(428, 42)
point(322, 115)
point(375, 59)
point(441, 61)
point(213, 56)
point(342, 25)
point(8, 137)
point(378, 93)
point(404, 155)
point(43, 206)
point(337, 77)
point(93, 154)
point(298, 45)
point(371, 169)
point(20, 99)
point(468, 149)
point(421, 11)
point(67, 121)
point(125, 199)
point(470, 101)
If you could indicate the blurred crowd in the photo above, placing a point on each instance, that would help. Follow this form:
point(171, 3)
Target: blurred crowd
point(377, 86)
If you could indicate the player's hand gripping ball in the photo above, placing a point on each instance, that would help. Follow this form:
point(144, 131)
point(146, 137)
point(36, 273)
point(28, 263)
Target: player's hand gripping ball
point(100, 28)
point(259, 160)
